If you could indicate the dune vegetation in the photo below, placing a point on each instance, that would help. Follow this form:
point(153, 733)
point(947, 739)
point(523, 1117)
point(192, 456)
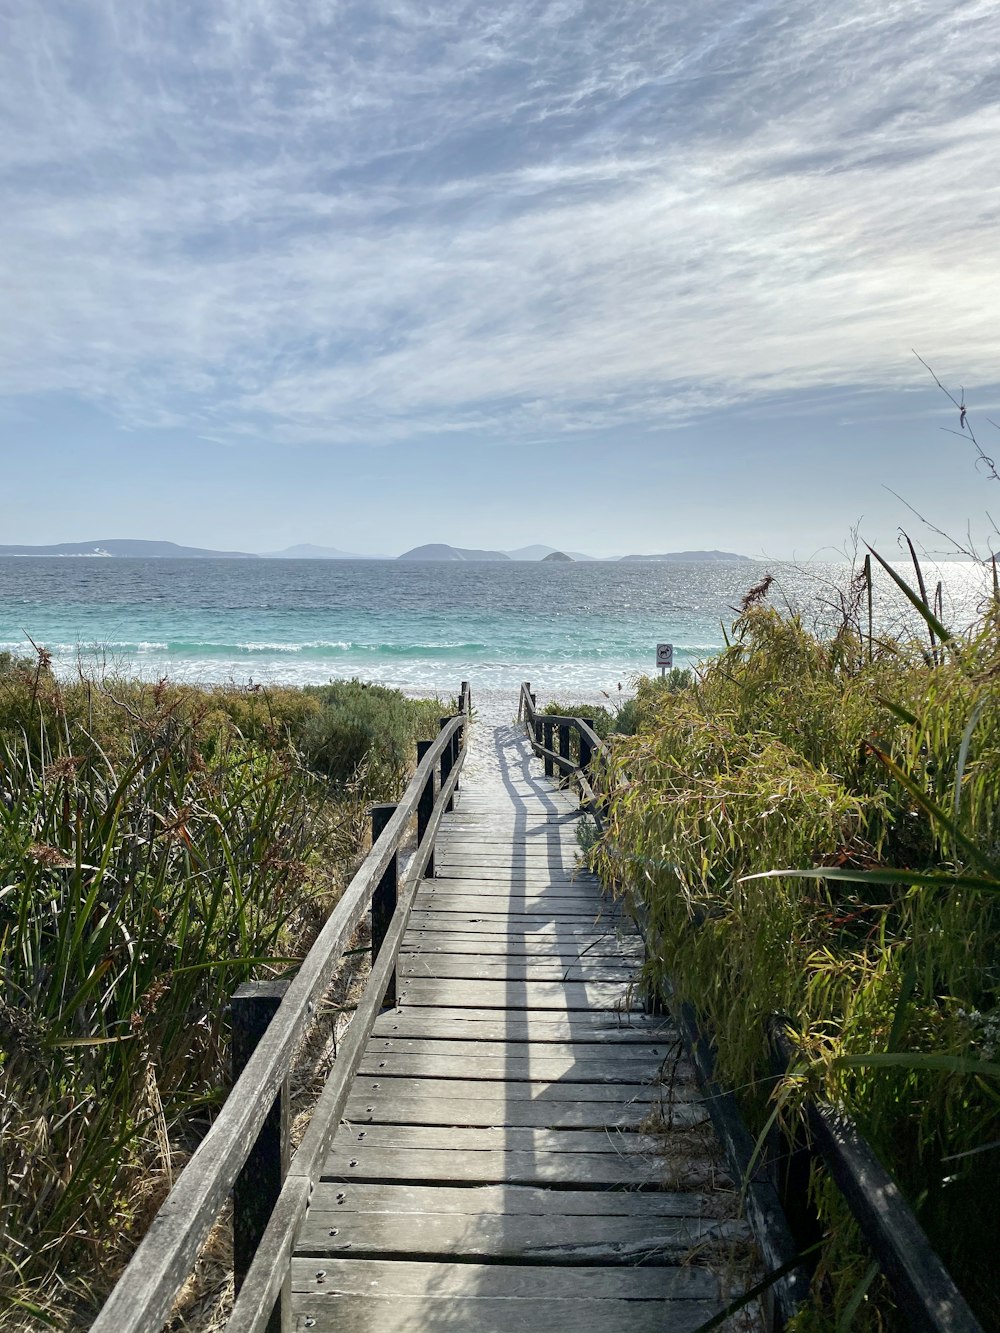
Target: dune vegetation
point(159, 845)
point(813, 827)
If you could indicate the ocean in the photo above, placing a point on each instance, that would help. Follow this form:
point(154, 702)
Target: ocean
point(577, 629)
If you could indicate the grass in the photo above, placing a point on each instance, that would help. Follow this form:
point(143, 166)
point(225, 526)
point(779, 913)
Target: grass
point(870, 767)
point(158, 845)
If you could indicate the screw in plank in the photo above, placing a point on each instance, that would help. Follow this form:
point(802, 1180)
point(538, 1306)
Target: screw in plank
point(361, 1135)
point(353, 1162)
point(334, 1231)
point(309, 1323)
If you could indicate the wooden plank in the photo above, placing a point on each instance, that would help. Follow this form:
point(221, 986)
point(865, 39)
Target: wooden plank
point(602, 945)
point(653, 1053)
point(499, 1089)
point(535, 1068)
point(518, 841)
point(519, 1201)
point(466, 1139)
point(576, 915)
point(494, 895)
point(377, 1313)
point(578, 995)
point(535, 1240)
point(524, 881)
point(515, 846)
point(480, 919)
point(516, 969)
point(349, 1277)
point(388, 1107)
point(563, 855)
point(358, 1162)
point(488, 1025)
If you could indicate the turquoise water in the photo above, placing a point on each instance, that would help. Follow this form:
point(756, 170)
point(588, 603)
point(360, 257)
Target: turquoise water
point(583, 627)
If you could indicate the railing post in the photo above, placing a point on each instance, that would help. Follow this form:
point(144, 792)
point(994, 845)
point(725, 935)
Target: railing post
point(538, 731)
point(564, 739)
point(425, 807)
point(447, 762)
point(259, 1183)
point(456, 749)
point(385, 896)
point(586, 748)
point(550, 767)
point(525, 690)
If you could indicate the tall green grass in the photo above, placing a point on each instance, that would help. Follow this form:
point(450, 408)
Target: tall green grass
point(871, 764)
point(158, 845)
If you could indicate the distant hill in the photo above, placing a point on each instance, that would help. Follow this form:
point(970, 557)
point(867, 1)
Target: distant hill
point(305, 551)
point(540, 553)
point(439, 551)
point(128, 549)
point(693, 557)
point(558, 556)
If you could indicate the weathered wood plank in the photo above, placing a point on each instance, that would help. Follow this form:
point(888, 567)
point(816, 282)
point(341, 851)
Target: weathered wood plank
point(504, 1090)
point(546, 903)
point(483, 1281)
point(532, 1068)
point(516, 969)
point(487, 1025)
point(653, 1053)
point(358, 1162)
point(518, 1201)
point(495, 1138)
point(484, 919)
point(582, 995)
point(387, 1107)
point(535, 1240)
point(463, 1314)
point(601, 945)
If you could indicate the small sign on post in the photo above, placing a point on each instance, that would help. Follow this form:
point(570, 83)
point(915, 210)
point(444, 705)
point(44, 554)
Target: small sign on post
point(664, 657)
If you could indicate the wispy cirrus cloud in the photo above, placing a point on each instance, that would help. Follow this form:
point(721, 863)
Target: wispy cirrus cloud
point(364, 221)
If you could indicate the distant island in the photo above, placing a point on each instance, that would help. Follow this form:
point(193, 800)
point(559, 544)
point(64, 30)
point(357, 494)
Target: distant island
point(439, 551)
point(692, 557)
point(135, 549)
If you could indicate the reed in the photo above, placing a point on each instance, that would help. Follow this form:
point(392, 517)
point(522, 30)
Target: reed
point(813, 828)
point(158, 845)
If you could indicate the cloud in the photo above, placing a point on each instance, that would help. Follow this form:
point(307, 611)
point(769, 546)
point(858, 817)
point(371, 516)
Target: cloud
point(367, 221)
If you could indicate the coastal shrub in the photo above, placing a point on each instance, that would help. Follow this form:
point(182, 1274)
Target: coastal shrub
point(159, 844)
point(625, 715)
point(837, 756)
point(364, 736)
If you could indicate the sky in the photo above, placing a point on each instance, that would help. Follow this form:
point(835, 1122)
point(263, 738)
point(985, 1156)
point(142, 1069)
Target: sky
point(613, 277)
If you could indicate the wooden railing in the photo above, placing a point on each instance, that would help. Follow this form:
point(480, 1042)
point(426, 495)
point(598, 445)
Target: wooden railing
point(244, 1151)
point(581, 753)
point(921, 1285)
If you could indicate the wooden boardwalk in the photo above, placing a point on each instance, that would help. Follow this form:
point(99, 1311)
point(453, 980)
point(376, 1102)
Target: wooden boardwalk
point(495, 1168)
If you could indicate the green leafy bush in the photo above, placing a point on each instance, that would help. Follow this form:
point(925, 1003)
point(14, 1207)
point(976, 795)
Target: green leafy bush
point(363, 736)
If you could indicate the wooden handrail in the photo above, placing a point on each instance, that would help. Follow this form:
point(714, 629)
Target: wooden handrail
point(262, 1283)
point(144, 1294)
point(591, 745)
